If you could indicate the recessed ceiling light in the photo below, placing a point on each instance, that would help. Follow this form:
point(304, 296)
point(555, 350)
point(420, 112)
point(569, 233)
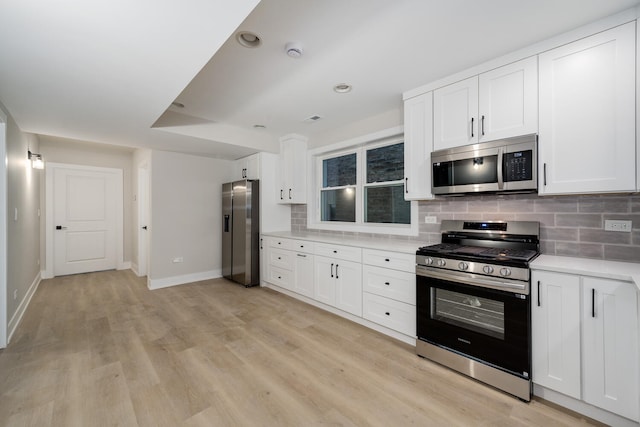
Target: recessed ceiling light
point(248, 39)
point(177, 104)
point(342, 88)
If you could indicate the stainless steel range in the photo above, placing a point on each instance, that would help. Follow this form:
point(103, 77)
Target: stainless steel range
point(472, 301)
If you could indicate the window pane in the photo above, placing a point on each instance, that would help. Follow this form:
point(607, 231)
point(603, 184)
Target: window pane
point(385, 163)
point(387, 205)
point(339, 171)
point(338, 205)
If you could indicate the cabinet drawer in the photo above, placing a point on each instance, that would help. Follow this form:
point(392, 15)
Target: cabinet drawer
point(386, 259)
point(303, 246)
point(281, 259)
point(347, 253)
point(281, 277)
point(392, 314)
point(397, 285)
point(277, 242)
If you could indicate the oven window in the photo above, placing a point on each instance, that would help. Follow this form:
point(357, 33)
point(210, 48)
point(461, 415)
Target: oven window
point(478, 314)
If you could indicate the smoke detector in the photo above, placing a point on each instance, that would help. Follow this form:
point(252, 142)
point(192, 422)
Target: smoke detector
point(293, 49)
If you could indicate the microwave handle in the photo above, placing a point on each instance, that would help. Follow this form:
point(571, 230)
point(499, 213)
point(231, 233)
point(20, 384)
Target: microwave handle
point(500, 177)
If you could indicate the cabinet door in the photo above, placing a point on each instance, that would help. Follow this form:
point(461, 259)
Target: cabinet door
point(587, 114)
point(508, 100)
point(252, 166)
point(264, 258)
point(349, 286)
point(324, 284)
point(303, 277)
point(455, 114)
point(555, 327)
point(293, 153)
point(610, 346)
point(418, 144)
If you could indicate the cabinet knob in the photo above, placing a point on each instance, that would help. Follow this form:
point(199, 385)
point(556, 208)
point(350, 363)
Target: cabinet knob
point(387, 313)
point(387, 283)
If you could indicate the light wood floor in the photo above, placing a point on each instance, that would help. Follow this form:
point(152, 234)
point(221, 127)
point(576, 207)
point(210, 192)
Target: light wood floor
point(100, 349)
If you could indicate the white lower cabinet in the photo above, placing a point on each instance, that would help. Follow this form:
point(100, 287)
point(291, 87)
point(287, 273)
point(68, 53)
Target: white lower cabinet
point(555, 331)
point(585, 340)
point(339, 283)
point(303, 276)
point(376, 285)
point(392, 314)
point(389, 285)
point(610, 346)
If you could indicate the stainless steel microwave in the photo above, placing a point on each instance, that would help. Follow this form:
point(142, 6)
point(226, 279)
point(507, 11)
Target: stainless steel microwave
point(504, 165)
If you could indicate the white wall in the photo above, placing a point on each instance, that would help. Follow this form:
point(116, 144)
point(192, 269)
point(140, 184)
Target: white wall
point(386, 120)
point(61, 150)
point(23, 231)
point(186, 214)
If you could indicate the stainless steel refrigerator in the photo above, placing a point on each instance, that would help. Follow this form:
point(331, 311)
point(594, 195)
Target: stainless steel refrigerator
point(241, 231)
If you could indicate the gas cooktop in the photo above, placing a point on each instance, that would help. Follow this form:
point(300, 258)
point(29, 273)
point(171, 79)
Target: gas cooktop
point(485, 253)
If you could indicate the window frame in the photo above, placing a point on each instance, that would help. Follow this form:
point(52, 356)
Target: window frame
point(360, 147)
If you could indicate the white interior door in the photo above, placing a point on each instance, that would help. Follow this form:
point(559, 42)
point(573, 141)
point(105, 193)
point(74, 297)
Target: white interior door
point(85, 219)
point(143, 219)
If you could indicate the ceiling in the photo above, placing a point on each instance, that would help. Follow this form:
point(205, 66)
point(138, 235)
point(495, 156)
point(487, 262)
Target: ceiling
point(108, 71)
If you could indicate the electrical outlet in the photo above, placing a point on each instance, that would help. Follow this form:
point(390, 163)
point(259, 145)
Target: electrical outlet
point(430, 219)
point(618, 225)
point(178, 259)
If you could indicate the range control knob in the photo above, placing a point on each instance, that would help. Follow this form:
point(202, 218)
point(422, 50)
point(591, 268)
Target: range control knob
point(428, 260)
point(487, 269)
point(463, 266)
point(442, 262)
point(505, 272)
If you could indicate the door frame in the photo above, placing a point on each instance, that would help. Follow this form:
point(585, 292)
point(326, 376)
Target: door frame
point(3, 229)
point(49, 255)
point(143, 219)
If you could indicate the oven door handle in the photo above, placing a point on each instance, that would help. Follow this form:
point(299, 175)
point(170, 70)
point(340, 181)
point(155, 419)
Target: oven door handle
point(474, 280)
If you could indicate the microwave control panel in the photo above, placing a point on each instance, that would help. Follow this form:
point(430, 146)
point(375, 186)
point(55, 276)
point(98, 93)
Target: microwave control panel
point(518, 166)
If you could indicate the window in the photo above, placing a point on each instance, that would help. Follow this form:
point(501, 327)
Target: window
point(338, 194)
point(362, 189)
point(384, 190)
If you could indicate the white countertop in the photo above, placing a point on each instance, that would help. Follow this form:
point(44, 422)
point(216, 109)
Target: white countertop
point(624, 271)
point(390, 244)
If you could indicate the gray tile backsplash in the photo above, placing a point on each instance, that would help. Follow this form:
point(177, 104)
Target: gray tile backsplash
point(569, 225)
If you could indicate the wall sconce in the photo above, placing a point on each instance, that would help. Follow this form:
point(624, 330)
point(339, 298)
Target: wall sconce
point(36, 160)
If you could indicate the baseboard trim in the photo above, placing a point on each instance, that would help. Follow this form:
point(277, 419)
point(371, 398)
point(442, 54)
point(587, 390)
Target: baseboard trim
point(166, 282)
point(126, 265)
point(582, 407)
point(22, 307)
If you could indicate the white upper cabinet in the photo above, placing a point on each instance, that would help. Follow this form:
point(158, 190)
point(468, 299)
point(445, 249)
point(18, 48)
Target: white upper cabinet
point(455, 114)
point(247, 168)
point(500, 103)
point(418, 144)
point(293, 162)
point(587, 114)
point(508, 100)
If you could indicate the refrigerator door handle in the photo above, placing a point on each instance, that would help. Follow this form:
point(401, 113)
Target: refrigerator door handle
point(226, 223)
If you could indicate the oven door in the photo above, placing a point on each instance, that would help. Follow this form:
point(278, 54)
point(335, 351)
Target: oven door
point(488, 325)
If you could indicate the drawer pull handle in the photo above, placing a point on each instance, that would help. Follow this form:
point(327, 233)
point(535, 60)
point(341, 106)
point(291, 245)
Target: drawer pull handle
point(386, 259)
point(302, 255)
point(335, 252)
point(387, 283)
point(387, 313)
